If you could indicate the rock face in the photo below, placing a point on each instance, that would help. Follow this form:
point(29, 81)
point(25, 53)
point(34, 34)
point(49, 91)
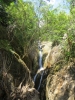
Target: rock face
point(61, 85)
point(53, 56)
point(47, 45)
point(34, 55)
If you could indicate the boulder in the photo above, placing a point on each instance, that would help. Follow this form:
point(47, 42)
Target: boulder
point(61, 85)
point(54, 55)
point(47, 45)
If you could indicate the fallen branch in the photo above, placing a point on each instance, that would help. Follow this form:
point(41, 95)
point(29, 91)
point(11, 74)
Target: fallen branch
point(27, 79)
point(20, 60)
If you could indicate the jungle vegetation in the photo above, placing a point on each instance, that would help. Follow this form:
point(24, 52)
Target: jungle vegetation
point(21, 27)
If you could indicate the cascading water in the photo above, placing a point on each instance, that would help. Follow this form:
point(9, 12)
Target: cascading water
point(40, 56)
point(40, 80)
point(40, 64)
point(35, 77)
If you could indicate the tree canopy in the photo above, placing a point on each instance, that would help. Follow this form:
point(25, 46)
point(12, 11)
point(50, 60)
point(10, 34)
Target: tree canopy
point(21, 27)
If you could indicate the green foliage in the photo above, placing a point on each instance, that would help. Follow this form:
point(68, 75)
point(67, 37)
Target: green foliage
point(25, 19)
point(4, 44)
point(73, 50)
point(27, 28)
point(6, 2)
point(57, 68)
point(3, 16)
point(55, 25)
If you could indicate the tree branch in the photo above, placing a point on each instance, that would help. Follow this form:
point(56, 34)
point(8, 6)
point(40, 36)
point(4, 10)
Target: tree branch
point(20, 60)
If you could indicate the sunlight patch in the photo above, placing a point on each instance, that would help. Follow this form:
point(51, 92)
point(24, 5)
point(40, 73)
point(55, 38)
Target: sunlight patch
point(50, 1)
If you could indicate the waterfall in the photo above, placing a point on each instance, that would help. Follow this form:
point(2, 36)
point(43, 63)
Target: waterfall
point(40, 59)
point(40, 80)
point(40, 54)
point(35, 77)
point(40, 64)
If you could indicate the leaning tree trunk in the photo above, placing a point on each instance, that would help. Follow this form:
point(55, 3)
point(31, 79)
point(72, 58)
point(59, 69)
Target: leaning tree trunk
point(28, 73)
point(26, 90)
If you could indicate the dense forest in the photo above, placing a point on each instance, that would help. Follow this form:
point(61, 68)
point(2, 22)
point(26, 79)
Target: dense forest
point(20, 29)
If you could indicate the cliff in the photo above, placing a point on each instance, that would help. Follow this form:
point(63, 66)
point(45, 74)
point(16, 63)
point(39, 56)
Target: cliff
point(61, 85)
point(58, 80)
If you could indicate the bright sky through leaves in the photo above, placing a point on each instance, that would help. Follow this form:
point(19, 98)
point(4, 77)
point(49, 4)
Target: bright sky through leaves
point(50, 1)
point(56, 3)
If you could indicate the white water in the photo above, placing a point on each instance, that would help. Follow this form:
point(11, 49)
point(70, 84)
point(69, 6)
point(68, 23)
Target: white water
point(35, 77)
point(40, 59)
point(41, 69)
point(40, 65)
point(40, 80)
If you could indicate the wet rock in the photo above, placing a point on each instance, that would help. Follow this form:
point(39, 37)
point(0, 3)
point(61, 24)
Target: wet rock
point(47, 45)
point(25, 94)
point(53, 56)
point(33, 54)
point(61, 85)
point(42, 87)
